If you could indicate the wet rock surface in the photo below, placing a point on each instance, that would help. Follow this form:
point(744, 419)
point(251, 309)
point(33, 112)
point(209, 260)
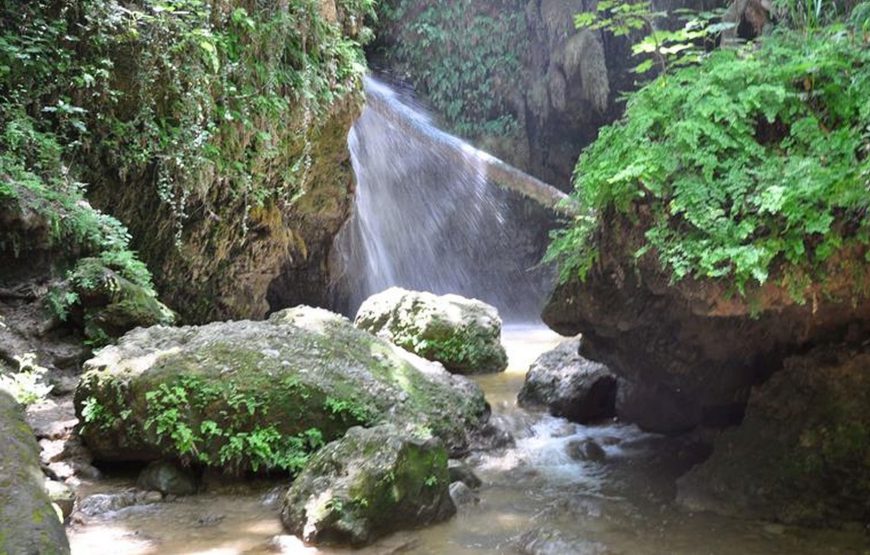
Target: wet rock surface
point(569, 385)
point(461, 472)
point(29, 523)
point(369, 483)
point(462, 334)
point(303, 369)
point(103, 503)
point(801, 454)
point(462, 495)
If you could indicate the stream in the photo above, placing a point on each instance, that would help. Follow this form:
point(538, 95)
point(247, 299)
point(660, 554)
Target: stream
point(534, 495)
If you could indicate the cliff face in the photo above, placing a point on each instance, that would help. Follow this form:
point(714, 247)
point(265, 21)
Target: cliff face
point(214, 129)
point(246, 218)
point(514, 76)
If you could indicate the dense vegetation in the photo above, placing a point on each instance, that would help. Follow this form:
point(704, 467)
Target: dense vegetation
point(211, 105)
point(459, 55)
point(752, 165)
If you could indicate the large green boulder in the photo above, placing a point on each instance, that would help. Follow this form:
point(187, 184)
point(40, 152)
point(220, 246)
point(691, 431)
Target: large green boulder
point(371, 482)
point(462, 334)
point(259, 395)
point(29, 524)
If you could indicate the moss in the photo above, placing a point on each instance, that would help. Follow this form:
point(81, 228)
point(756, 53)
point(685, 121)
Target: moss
point(27, 519)
point(205, 129)
point(250, 396)
point(367, 484)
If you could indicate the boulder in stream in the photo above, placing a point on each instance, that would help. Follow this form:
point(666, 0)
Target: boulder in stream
point(569, 385)
point(29, 524)
point(260, 395)
point(462, 334)
point(369, 483)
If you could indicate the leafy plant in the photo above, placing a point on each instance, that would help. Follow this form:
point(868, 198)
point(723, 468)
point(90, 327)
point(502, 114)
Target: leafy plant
point(460, 56)
point(237, 437)
point(26, 385)
point(667, 49)
point(752, 165)
point(199, 102)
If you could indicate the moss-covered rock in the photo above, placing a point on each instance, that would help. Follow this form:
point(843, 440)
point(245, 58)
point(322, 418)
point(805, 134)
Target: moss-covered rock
point(109, 304)
point(802, 454)
point(29, 524)
point(258, 395)
point(217, 133)
point(462, 334)
point(367, 484)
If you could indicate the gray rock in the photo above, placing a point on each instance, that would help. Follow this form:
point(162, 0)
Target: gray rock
point(101, 503)
point(168, 478)
point(570, 386)
point(29, 524)
point(801, 454)
point(462, 495)
point(369, 483)
point(586, 450)
point(462, 334)
point(225, 381)
point(62, 496)
point(461, 472)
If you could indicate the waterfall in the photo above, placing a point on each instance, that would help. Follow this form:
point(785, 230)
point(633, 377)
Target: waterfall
point(427, 216)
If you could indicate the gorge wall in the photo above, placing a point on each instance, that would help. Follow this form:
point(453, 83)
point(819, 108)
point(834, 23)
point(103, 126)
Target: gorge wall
point(514, 76)
point(214, 130)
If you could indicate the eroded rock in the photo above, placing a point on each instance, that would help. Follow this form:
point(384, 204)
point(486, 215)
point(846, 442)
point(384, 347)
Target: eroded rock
point(168, 478)
point(692, 350)
point(369, 483)
point(462, 334)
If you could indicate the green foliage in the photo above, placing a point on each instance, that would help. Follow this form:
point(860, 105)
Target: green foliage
point(460, 349)
point(808, 14)
point(183, 94)
point(463, 58)
point(665, 48)
point(26, 384)
point(242, 442)
point(754, 164)
point(36, 141)
point(349, 410)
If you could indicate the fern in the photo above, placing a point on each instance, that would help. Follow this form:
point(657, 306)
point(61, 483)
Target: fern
point(752, 162)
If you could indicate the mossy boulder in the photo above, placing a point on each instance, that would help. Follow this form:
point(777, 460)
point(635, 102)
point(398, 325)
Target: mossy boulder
point(29, 524)
point(371, 482)
point(109, 304)
point(259, 395)
point(462, 334)
point(802, 454)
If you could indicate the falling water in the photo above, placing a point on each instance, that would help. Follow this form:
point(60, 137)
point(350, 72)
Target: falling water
point(428, 218)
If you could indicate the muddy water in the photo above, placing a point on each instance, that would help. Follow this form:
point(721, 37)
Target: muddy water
point(534, 493)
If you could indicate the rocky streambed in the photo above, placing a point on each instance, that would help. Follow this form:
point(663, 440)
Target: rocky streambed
point(547, 492)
